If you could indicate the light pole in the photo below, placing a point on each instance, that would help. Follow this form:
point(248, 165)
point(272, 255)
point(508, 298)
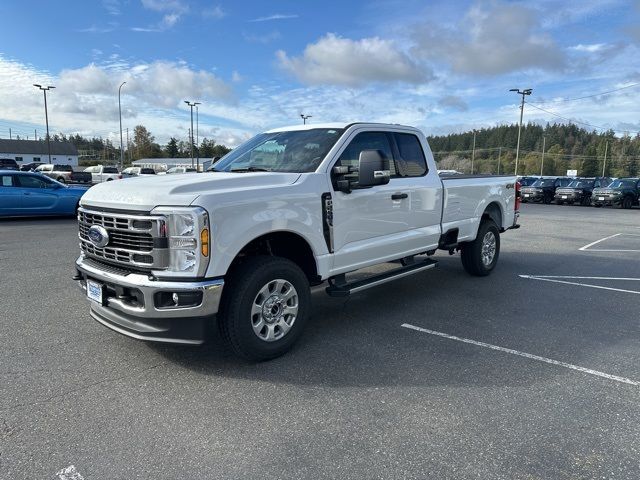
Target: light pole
point(46, 115)
point(526, 91)
point(191, 104)
point(473, 152)
point(304, 118)
point(604, 164)
point(120, 114)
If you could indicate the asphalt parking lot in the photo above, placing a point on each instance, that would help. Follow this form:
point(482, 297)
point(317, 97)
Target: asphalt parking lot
point(531, 373)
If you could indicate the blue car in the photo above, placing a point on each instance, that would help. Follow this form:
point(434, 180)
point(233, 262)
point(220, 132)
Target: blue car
point(31, 194)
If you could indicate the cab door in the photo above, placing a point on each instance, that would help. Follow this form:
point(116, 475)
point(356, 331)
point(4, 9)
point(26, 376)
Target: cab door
point(384, 222)
point(37, 198)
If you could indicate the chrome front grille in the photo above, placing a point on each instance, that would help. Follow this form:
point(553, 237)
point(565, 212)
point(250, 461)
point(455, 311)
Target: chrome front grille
point(135, 240)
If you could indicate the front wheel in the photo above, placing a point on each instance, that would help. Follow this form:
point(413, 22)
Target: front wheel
point(480, 257)
point(627, 202)
point(60, 179)
point(265, 307)
point(547, 199)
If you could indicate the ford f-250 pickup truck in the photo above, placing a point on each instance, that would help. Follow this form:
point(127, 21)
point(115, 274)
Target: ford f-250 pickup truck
point(164, 258)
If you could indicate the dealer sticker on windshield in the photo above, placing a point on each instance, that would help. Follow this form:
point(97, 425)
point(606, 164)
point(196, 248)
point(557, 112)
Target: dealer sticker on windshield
point(94, 291)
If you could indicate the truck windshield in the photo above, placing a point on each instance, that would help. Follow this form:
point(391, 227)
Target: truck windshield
point(622, 184)
point(581, 184)
point(542, 183)
point(295, 151)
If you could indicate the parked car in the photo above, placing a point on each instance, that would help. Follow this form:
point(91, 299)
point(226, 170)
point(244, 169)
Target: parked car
point(623, 192)
point(181, 170)
point(580, 190)
point(31, 194)
point(102, 173)
point(543, 189)
point(63, 173)
point(137, 172)
point(30, 167)
point(8, 164)
point(290, 208)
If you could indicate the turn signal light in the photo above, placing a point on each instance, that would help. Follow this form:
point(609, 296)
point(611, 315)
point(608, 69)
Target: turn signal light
point(204, 242)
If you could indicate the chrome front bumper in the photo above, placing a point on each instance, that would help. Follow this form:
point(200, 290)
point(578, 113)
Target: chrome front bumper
point(140, 317)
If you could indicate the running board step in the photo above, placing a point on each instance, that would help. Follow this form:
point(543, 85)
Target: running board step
point(346, 289)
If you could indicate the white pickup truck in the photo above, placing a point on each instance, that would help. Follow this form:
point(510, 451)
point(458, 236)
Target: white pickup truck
point(102, 173)
point(165, 258)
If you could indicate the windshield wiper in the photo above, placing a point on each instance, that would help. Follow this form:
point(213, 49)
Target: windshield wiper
point(250, 169)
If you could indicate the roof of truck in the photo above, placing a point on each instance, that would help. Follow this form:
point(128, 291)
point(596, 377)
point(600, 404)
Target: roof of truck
point(340, 125)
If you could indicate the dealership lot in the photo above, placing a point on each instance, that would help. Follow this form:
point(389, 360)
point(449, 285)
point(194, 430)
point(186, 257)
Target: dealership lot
point(400, 381)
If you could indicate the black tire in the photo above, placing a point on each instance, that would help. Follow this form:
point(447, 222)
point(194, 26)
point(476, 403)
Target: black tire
point(586, 201)
point(471, 252)
point(559, 202)
point(109, 179)
point(522, 200)
point(627, 202)
point(240, 291)
point(547, 199)
point(597, 205)
point(61, 179)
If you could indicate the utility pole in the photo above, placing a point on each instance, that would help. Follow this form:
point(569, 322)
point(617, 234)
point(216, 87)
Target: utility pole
point(544, 141)
point(473, 152)
point(191, 105)
point(120, 114)
point(526, 91)
point(128, 147)
point(35, 134)
point(604, 165)
point(304, 118)
point(46, 115)
point(499, 155)
point(10, 136)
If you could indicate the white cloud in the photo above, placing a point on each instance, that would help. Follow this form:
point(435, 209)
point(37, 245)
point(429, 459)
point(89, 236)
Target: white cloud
point(276, 16)
point(265, 38)
point(589, 48)
point(215, 12)
point(341, 61)
point(112, 6)
point(492, 39)
point(165, 5)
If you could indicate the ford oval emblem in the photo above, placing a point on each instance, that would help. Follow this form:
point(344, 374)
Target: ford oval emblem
point(98, 236)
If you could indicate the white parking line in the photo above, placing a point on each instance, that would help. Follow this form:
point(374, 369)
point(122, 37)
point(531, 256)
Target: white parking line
point(588, 247)
point(525, 355)
point(589, 285)
point(583, 278)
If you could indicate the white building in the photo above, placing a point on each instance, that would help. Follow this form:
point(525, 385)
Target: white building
point(164, 164)
point(28, 151)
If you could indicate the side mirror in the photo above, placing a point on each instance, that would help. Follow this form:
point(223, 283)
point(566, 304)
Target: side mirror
point(373, 169)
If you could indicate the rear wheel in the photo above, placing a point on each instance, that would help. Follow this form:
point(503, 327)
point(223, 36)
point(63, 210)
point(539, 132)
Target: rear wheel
point(586, 201)
point(480, 257)
point(627, 202)
point(547, 199)
point(265, 307)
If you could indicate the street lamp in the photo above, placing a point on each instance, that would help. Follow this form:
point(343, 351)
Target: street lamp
point(46, 115)
point(197, 141)
point(120, 114)
point(526, 91)
point(304, 118)
point(473, 152)
point(191, 104)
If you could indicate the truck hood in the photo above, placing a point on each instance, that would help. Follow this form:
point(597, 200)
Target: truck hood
point(146, 193)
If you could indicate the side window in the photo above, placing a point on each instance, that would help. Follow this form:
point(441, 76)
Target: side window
point(6, 180)
point(367, 141)
point(411, 155)
point(28, 181)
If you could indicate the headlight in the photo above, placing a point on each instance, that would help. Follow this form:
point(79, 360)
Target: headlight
point(187, 232)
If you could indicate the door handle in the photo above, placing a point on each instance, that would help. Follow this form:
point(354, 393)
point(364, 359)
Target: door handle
point(399, 196)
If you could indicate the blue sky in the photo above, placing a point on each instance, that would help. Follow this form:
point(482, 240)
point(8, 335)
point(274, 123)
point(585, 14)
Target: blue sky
point(441, 66)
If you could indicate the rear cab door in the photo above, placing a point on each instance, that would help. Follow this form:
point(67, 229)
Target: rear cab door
point(385, 222)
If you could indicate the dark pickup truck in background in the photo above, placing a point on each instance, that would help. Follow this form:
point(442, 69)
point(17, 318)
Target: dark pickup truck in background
point(580, 190)
point(64, 174)
point(623, 192)
point(543, 189)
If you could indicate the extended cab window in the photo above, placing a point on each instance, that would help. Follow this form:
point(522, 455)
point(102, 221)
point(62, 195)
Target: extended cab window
point(411, 155)
point(109, 170)
point(367, 141)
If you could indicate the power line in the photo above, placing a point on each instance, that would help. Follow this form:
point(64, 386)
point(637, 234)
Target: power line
point(581, 123)
point(590, 96)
